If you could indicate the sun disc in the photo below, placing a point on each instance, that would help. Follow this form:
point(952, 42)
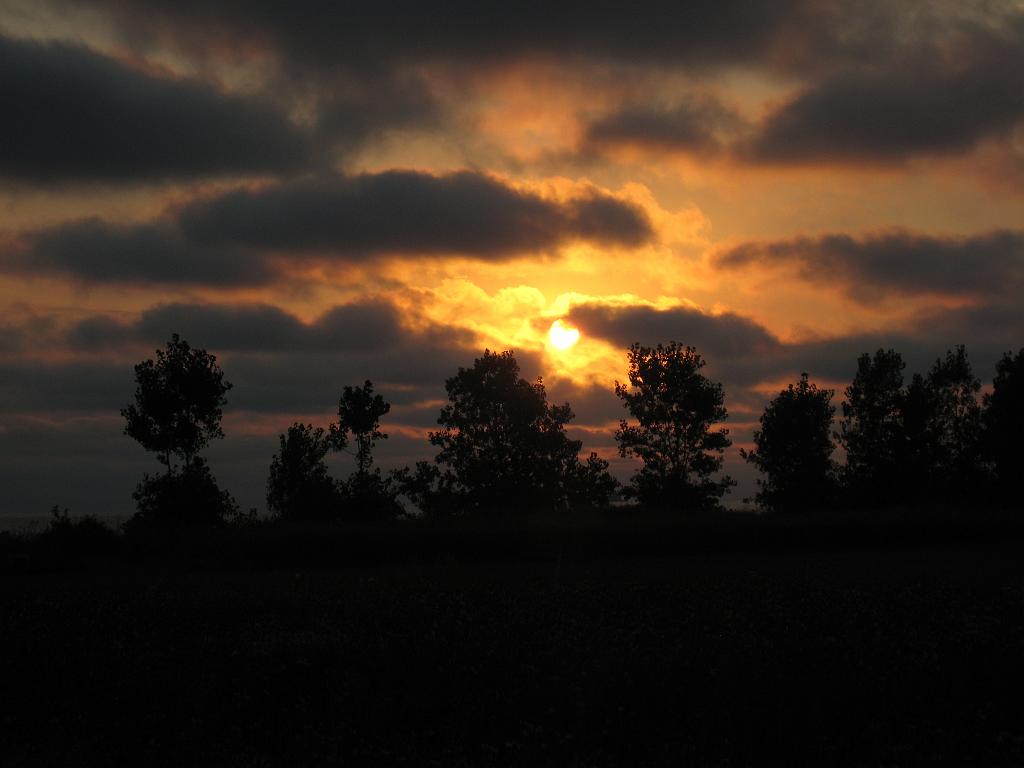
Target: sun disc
point(561, 336)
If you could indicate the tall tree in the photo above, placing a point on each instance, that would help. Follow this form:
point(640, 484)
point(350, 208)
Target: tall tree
point(299, 486)
point(177, 411)
point(675, 407)
point(359, 415)
point(955, 424)
point(178, 405)
point(367, 493)
point(502, 447)
point(871, 429)
point(1004, 425)
point(794, 449)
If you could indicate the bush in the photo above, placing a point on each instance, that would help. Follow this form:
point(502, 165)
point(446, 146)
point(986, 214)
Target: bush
point(188, 498)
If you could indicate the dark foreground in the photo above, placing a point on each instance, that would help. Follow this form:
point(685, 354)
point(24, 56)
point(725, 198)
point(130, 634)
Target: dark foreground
point(897, 654)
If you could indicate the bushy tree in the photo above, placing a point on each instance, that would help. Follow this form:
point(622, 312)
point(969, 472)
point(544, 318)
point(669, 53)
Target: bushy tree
point(675, 407)
point(871, 430)
point(1004, 425)
point(299, 486)
point(794, 449)
point(185, 498)
point(502, 447)
point(367, 492)
point(913, 444)
point(178, 405)
point(954, 426)
point(177, 411)
point(915, 452)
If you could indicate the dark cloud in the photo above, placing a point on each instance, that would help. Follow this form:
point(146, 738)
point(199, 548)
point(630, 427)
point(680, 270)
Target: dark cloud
point(354, 111)
point(467, 213)
point(28, 385)
point(316, 35)
point(227, 240)
point(71, 115)
point(248, 328)
point(98, 251)
point(279, 363)
point(696, 126)
point(875, 266)
point(725, 335)
point(944, 100)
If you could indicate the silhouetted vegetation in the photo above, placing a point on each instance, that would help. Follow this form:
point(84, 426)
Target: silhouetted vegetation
point(503, 448)
point(185, 497)
point(696, 655)
point(178, 405)
point(871, 429)
point(177, 411)
point(952, 429)
point(299, 486)
point(794, 450)
point(675, 407)
point(367, 493)
point(915, 444)
point(1004, 426)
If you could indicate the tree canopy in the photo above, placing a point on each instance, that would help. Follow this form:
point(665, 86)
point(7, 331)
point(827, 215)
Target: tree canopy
point(367, 493)
point(503, 447)
point(177, 411)
point(675, 407)
point(1004, 423)
point(178, 405)
point(299, 486)
point(794, 449)
point(871, 430)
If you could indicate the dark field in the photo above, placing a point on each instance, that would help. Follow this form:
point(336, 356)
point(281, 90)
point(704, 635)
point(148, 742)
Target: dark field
point(548, 651)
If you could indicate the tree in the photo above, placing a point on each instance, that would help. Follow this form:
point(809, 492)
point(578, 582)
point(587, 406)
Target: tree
point(1004, 425)
point(794, 449)
point(177, 411)
point(915, 453)
point(367, 493)
point(188, 497)
point(178, 403)
point(871, 429)
point(675, 407)
point(299, 486)
point(502, 447)
point(359, 414)
point(954, 426)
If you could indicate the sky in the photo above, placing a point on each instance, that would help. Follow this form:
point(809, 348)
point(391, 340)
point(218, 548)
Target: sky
point(320, 193)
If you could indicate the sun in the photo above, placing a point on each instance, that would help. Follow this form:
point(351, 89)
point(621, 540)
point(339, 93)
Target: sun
point(561, 336)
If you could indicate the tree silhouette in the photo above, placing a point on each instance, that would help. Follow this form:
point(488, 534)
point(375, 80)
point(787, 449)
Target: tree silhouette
point(299, 486)
point(915, 451)
point(177, 411)
point(359, 415)
point(871, 431)
point(502, 447)
point(954, 426)
point(367, 493)
point(178, 402)
point(794, 449)
point(186, 498)
point(675, 406)
point(1004, 425)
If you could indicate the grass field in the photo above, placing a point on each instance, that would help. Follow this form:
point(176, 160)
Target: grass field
point(546, 651)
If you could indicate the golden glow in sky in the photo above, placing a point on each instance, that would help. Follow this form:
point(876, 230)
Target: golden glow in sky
point(562, 336)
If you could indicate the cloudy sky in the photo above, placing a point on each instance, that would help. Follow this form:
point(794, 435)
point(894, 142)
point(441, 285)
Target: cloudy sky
point(320, 193)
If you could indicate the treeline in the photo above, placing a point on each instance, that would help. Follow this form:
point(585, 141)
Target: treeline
point(502, 449)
